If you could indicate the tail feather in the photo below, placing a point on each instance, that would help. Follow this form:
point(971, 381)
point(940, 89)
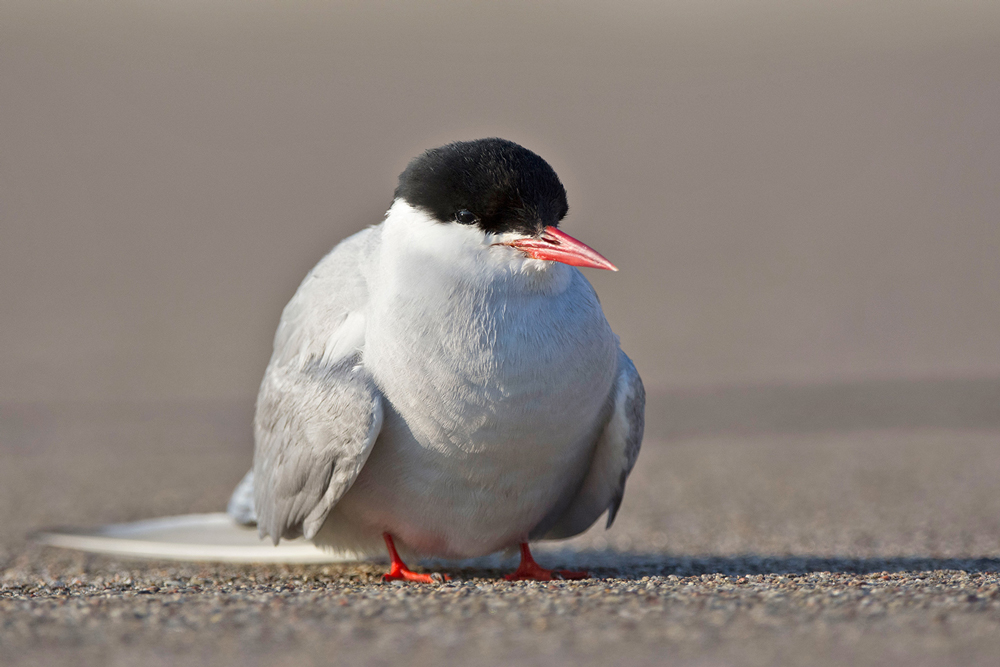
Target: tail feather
point(240, 507)
point(191, 537)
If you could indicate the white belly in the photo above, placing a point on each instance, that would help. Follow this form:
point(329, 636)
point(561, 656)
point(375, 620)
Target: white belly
point(458, 506)
point(490, 422)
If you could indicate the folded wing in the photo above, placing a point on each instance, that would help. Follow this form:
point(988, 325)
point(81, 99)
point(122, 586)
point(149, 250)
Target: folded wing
point(614, 456)
point(318, 409)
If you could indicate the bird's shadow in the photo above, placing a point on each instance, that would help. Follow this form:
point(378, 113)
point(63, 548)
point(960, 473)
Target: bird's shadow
point(635, 565)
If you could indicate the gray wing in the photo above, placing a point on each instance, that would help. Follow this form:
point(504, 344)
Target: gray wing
point(318, 410)
point(314, 430)
point(614, 456)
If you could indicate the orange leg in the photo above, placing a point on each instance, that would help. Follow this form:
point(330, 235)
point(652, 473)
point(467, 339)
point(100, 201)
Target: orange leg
point(532, 571)
point(398, 569)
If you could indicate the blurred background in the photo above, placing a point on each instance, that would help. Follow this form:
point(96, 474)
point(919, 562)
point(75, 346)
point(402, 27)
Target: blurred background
point(803, 198)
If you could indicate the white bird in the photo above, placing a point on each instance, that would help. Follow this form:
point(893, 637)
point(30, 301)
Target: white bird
point(446, 380)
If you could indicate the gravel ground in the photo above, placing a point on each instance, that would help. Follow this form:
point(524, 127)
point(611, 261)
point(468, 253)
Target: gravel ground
point(112, 611)
point(816, 546)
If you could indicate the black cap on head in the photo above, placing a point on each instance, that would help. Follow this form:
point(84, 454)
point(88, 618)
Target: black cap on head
point(491, 183)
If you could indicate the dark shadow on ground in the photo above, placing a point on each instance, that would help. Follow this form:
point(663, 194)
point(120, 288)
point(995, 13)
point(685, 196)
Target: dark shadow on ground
point(40, 563)
point(617, 565)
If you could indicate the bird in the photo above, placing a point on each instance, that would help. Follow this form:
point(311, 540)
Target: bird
point(445, 383)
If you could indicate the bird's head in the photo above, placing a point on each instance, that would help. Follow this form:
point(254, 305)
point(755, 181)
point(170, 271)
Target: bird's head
point(509, 195)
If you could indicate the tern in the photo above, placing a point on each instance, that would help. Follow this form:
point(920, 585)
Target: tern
point(446, 380)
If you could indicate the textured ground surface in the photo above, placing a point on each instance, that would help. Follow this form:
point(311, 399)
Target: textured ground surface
point(783, 545)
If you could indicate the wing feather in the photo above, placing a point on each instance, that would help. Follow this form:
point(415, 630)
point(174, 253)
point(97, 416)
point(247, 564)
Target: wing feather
point(318, 410)
point(614, 457)
point(314, 431)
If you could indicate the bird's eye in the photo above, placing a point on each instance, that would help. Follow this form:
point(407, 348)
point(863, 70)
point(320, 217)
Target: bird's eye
point(466, 217)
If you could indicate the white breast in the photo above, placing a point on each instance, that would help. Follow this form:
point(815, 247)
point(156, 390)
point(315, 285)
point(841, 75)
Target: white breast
point(497, 369)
